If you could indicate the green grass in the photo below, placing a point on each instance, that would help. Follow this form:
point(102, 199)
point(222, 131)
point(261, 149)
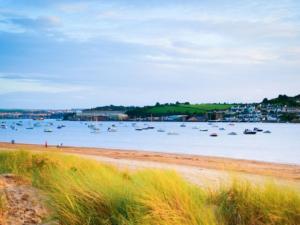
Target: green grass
point(177, 109)
point(87, 192)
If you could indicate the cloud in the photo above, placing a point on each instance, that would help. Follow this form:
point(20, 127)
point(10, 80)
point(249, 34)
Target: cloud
point(21, 83)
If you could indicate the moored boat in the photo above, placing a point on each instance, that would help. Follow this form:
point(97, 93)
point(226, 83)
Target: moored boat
point(257, 129)
point(47, 130)
point(267, 132)
point(248, 131)
point(213, 135)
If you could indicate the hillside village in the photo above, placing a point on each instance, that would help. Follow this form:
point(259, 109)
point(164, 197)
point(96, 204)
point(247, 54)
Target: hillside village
point(280, 109)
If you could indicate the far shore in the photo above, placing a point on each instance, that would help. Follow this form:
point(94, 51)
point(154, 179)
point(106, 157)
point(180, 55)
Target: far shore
point(191, 166)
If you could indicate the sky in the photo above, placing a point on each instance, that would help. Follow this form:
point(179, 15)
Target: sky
point(77, 54)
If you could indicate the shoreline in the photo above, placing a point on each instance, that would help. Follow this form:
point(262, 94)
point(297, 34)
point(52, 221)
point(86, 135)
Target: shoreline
point(222, 164)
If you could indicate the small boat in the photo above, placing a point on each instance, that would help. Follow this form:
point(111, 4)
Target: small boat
point(3, 126)
point(59, 127)
point(19, 124)
point(139, 129)
point(267, 132)
point(257, 129)
point(215, 126)
point(203, 130)
point(160, 130)
point(248, 131)
point(221, 128)
point(111, 129)
point(232, 133)
point(29, 128)
point(148, 128)
point(213, 135)
point(47, 130)
point(231, 124)
point(195, 128)
point(172, 133)
point(183, 125)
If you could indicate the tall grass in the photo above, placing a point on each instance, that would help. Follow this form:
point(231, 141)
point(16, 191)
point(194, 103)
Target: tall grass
point(87, 192)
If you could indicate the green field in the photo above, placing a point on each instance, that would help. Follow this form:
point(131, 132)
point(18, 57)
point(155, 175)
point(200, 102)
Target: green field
point(177, 109)
point(86, 192)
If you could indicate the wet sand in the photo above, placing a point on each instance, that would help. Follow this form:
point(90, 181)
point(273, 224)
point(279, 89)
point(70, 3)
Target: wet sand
point(141, 159)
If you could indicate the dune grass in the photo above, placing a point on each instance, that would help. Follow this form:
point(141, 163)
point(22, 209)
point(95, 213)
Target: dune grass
point(87, 192)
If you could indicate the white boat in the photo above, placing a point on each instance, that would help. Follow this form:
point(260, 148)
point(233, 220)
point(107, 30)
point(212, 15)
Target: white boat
point(257, 129)
point(111, 129)
point(203, 130)
point(172, 133)
point(47, 130)
point(160, 130)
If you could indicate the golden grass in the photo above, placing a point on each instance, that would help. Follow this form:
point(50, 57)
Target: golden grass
point(87, 192)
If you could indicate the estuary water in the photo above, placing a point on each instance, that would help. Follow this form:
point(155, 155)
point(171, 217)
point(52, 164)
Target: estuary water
point(281, 145)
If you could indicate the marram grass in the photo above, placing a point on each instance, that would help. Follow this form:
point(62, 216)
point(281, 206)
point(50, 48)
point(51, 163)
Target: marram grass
point(85, 192)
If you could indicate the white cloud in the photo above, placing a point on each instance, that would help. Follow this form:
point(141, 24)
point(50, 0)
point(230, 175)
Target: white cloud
point(34, 86)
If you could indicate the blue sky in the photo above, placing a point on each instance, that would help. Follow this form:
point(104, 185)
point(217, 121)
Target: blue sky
point(63, 54)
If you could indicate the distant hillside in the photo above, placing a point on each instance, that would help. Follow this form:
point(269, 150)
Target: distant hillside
point(284, 100)
point(111, 108)
point(176, 109)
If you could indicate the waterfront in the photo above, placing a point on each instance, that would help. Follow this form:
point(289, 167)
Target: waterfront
point(282, 145)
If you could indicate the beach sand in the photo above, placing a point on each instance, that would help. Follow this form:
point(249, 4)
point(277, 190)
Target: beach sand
point(200, 170)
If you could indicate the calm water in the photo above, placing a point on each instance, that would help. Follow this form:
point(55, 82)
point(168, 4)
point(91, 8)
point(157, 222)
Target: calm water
point(282, 145)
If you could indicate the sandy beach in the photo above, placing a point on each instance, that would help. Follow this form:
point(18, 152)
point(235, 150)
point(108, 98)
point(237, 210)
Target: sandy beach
point(197, 169)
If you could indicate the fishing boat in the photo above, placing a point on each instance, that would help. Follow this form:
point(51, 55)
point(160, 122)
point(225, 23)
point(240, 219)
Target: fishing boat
point(248, 131)
point(213, 135)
